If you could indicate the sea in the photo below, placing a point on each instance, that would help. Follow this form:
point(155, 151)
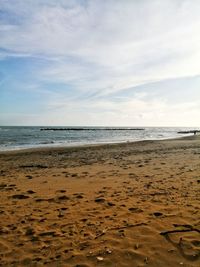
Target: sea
point(18, 137)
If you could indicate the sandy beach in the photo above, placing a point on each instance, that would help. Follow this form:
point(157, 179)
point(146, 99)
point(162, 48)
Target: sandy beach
point(120, 205)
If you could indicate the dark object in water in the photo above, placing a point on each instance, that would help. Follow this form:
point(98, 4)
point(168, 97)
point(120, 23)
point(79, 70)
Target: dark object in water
point(91, 129)
point(188, 132)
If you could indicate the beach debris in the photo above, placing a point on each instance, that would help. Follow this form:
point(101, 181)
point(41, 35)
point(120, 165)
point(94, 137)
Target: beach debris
point(108, 251)
point(119, 228)
point(101, 234)
point(178, 245)
point(100, 258)
point(127, 226)
point(188, 228)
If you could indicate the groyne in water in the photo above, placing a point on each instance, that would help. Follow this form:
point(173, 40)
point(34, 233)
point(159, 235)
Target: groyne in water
point(92, 129)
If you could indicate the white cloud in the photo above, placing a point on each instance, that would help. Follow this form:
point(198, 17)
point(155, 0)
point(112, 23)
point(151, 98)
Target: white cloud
point(133, 112)
point(102, 47)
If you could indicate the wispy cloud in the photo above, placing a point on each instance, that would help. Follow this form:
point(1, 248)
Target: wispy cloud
point(102, 48)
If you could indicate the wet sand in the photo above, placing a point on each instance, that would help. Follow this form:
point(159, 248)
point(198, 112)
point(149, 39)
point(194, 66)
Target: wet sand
point(133, 204)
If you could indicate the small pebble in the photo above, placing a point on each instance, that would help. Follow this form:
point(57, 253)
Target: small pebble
point(100, 258)
point(108, 251)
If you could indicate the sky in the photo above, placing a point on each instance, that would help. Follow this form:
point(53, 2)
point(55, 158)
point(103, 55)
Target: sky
point(100, 62)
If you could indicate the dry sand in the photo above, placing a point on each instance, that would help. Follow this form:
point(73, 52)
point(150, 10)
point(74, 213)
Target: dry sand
point(109, 205)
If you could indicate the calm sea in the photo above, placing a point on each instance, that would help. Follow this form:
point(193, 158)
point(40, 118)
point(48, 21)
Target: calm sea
point(12, 138)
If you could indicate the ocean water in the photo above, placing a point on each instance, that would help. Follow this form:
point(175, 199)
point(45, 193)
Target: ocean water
point(12, 138)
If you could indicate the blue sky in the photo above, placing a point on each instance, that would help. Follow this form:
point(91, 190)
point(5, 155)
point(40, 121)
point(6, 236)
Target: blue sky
point(96, 62)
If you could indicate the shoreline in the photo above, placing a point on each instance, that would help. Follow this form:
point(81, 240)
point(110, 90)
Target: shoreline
point(60, 147)
point(103, 205)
